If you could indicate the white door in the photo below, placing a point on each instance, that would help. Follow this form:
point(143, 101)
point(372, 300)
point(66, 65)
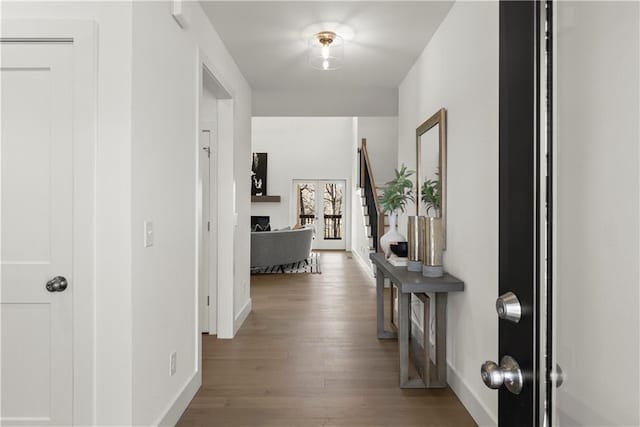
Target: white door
point(36, 229)
point(204, 157)
point(322, 204)
point(596, 256)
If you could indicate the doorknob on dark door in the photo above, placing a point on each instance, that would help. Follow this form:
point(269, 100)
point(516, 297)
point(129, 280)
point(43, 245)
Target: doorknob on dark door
point(57, 284)
point(507, 374)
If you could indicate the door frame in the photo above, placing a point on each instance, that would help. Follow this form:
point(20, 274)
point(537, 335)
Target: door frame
point(210, 236)
point(82, 35)
point(225, 213)
point(521, 219)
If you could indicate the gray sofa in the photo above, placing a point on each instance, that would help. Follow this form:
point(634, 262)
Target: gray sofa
point(280, 247)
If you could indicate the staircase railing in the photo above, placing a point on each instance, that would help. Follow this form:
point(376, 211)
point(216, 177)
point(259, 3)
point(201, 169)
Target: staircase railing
point(368, 185)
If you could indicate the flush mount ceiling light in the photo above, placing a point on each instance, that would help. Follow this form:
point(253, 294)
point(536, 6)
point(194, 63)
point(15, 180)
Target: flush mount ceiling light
point(326, 51)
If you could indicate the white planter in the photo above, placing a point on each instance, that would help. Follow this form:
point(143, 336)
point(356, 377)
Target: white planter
point(391, 236)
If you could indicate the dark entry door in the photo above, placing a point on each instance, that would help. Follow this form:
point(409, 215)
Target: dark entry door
point(515, 372)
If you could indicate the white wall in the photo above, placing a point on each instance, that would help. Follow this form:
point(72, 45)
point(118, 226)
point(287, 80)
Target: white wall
point(166, 88)
point(145, 304)
point(163, 172)
point(597, 255)
point(458, 70)
point(382, 145)
point(300, 148)
point(326, 102)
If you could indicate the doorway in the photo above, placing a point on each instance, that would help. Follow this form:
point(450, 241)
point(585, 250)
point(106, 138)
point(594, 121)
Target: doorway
point(322, 205)
point(208, 207)
point(569, 270)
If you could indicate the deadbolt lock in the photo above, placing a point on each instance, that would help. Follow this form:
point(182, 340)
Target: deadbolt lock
point(508, 307)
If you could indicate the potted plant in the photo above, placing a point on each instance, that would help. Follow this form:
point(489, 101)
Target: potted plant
point(431, 229)
point(395, 195)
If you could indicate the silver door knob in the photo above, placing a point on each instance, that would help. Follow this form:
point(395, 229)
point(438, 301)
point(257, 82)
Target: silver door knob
point(57, 284)
point(508, 307)
point(507, 374)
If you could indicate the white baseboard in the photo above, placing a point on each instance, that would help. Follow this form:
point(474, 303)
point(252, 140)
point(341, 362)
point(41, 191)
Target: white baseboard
point(478, 410)
point(175, 410)
point(365, 264)
point(241, 316)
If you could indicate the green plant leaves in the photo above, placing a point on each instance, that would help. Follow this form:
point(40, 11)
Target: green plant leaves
point(398, 191)
point(430, 195)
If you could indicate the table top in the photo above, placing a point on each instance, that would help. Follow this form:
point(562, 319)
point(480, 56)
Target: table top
point(414, 282)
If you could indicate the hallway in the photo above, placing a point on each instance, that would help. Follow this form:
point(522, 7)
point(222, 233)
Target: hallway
point(308, 356)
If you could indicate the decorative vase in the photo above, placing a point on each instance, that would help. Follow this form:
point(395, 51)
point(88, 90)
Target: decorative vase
point(414, 226)
point(391, 236)
point(432, 247)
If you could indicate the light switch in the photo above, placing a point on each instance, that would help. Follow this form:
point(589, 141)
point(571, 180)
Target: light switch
point(148, 234)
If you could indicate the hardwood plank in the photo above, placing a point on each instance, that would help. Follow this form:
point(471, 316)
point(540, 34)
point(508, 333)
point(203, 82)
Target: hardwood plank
point(308, 356)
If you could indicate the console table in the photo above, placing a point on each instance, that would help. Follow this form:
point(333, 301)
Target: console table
point(409, 283)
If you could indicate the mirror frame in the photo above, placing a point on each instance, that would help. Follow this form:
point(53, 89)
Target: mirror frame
point(439, 118)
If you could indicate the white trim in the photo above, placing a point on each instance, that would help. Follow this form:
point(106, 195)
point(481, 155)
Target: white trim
point(363, 264)
point(478, 410)
point(242, 316)
point(83, 34)
point(174, 410)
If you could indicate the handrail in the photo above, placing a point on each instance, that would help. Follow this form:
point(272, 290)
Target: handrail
point(368, 184)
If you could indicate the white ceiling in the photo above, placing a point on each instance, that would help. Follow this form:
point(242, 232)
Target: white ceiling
point(267, 41)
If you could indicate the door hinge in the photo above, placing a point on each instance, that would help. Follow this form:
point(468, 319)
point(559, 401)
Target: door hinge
point(208, 150)
point(208, 225)
point(207, 299)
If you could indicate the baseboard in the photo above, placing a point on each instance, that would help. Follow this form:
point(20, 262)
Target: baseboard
point(241, 316)
point(175, 410)
point(365, 264)
point(478, 410)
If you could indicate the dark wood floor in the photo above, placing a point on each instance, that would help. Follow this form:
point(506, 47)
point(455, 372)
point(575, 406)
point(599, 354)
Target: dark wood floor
point(308, 356)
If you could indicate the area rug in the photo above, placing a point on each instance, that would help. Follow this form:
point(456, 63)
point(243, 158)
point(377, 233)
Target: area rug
point(309, 265)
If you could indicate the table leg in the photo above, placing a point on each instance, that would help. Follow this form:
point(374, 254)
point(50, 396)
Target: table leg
point(382, 333)
point(426, 340)
point(391, 305)
point(441, 340)
point(404, 310)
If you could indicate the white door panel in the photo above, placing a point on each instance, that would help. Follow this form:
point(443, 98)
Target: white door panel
point(36, 232)
point(204, 271)
point(597, 220)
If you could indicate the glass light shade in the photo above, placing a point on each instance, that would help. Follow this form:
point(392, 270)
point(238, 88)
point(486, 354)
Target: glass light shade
point(326, 56)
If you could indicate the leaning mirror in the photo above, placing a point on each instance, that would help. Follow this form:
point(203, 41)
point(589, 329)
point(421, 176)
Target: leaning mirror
point(431, 160)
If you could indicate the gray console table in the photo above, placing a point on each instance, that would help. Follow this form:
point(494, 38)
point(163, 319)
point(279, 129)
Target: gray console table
point(408, 283)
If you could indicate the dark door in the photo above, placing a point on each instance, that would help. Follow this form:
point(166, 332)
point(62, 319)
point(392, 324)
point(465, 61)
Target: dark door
point(515, 372)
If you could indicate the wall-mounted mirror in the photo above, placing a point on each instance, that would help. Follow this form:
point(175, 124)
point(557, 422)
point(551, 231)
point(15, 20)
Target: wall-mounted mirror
point(431, 161)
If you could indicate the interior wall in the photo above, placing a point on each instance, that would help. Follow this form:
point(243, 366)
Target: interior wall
point(327, 102)
point(166, 87)
point(300, 148)
point(458, 70)
point(597, 254)
point(164, 176)
point(104, 388)
point(382, 145)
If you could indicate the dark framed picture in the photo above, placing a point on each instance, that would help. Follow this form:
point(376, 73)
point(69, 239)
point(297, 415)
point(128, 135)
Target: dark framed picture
point(259, 174)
